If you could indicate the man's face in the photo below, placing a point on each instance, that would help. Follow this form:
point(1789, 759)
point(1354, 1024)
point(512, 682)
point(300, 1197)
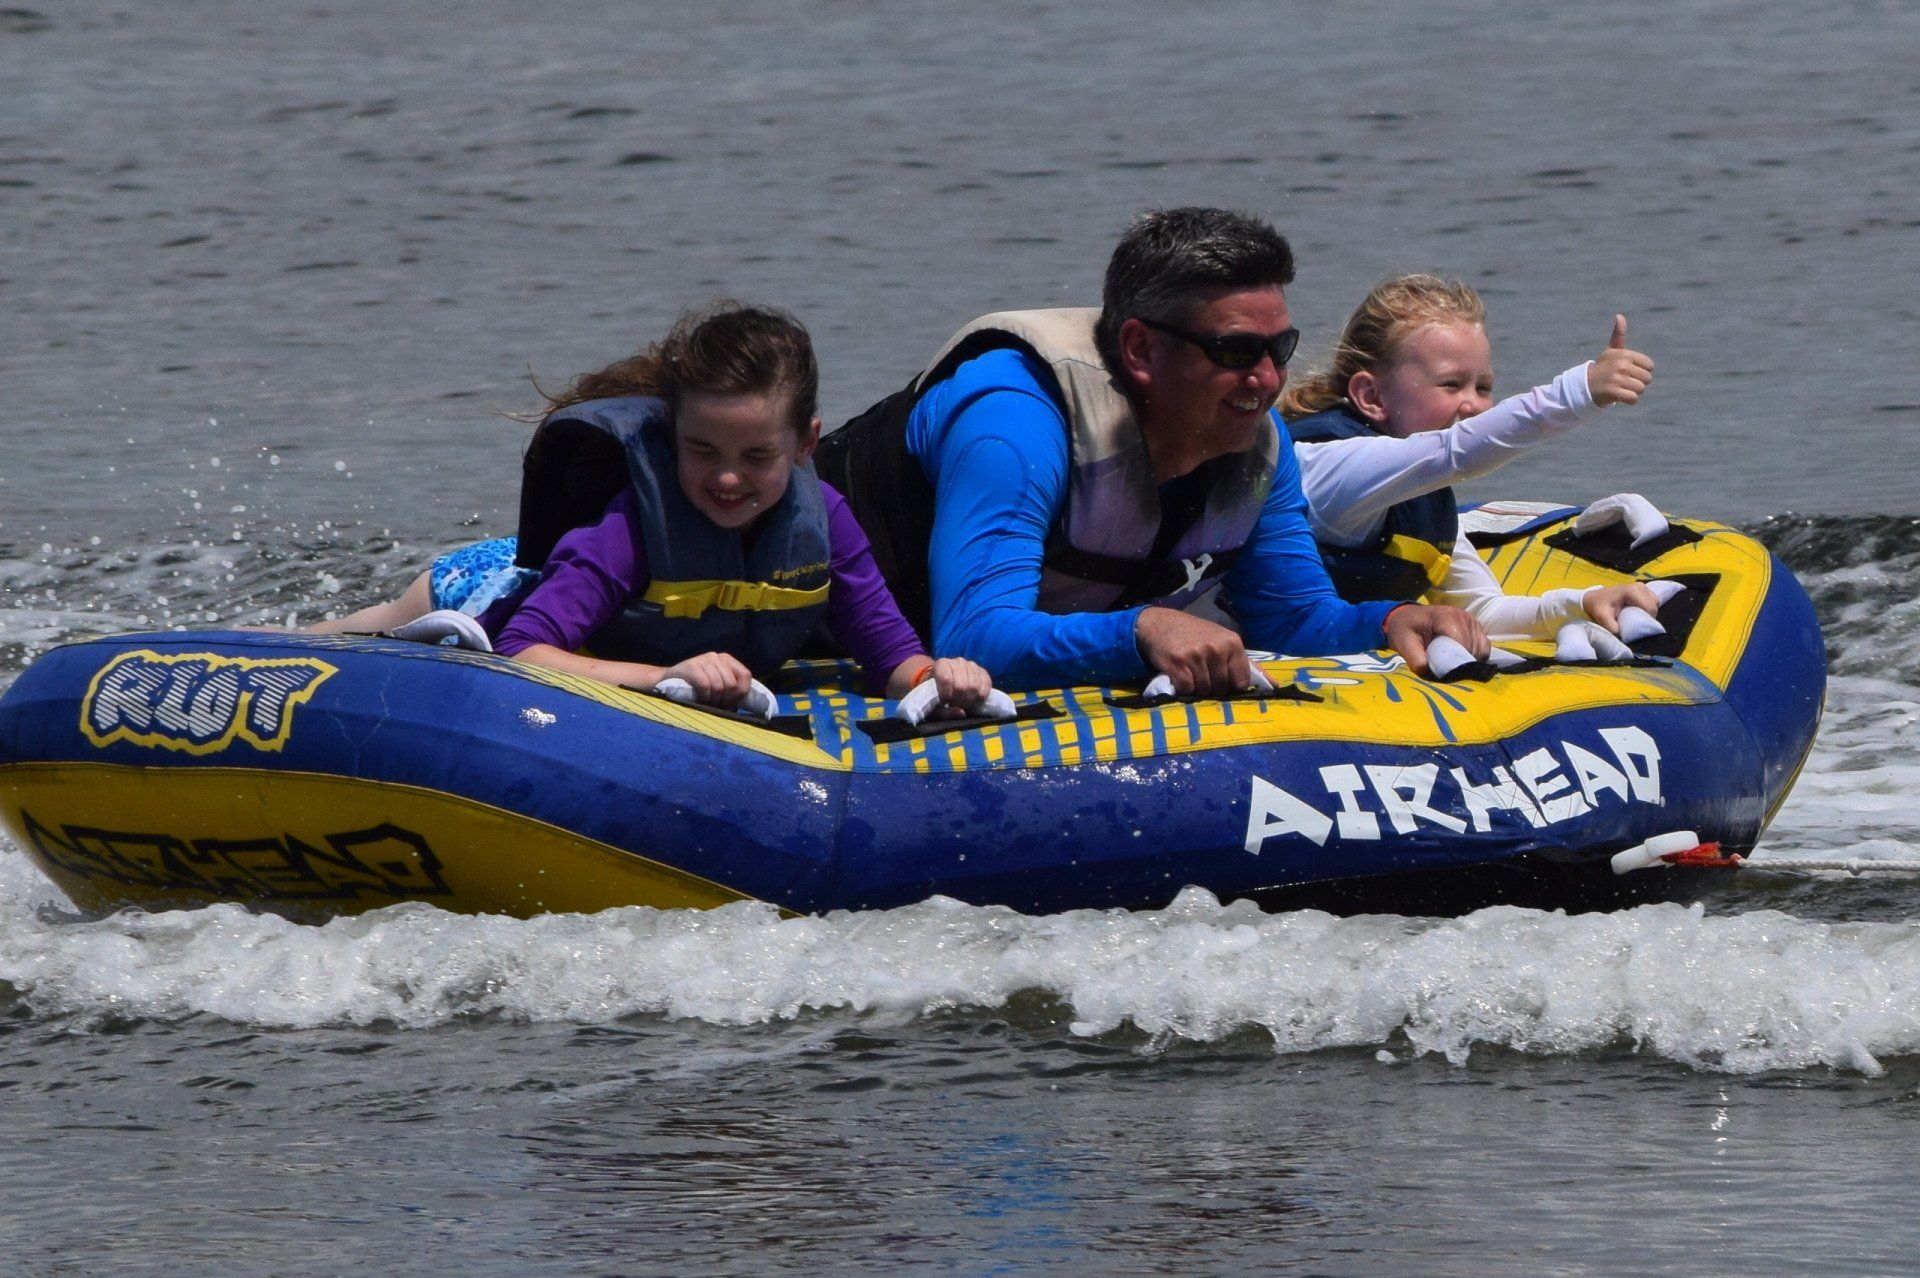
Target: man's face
point(1189, 403)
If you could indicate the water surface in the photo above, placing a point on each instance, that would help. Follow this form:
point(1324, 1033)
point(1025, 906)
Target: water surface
point(272, 277)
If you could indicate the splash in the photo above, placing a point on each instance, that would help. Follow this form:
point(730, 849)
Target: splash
point(1760, 991)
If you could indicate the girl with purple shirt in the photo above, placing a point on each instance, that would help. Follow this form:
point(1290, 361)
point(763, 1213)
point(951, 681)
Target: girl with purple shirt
point(718, 553)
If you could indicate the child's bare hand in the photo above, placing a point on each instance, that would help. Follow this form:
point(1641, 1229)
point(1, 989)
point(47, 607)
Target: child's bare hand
point(1618, 375)
point(716, 678)
point(963, 687)
point(1604, 604)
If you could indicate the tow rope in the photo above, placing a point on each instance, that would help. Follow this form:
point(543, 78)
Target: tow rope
point(1684, 848)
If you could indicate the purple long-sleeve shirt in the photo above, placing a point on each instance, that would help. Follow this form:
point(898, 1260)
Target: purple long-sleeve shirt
point(595, 569)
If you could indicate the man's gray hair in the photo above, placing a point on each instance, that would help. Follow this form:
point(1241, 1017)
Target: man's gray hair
point(1170, 259)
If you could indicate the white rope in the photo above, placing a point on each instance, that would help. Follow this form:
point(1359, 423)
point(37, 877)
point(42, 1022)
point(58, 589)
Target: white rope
point(1653, 854)
point(1843, 867)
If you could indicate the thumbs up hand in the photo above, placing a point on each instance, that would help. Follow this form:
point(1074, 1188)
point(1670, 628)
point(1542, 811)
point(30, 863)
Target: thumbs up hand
point(1618, 375)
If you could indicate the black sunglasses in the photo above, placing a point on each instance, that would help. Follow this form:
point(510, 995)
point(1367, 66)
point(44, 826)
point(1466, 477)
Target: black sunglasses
point(1237, 351)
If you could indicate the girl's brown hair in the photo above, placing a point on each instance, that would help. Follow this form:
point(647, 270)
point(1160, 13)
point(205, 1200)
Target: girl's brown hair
point(1391, 310)
point(726, 348)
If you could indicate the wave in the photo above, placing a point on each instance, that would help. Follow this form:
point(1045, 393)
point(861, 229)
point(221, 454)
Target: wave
point(1859, 571)
point(1824, 543)
point(50, 595)
point(1744, 993)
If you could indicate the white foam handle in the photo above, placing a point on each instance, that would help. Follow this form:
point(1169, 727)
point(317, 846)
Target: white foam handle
point(1444, 656)
point(921, 700)
point(1643, 521)
point(1160, 687)
point(676, 690)
point(1643, 855)
point(1637, 624)
point(758, 702)
point(1664, 591)
point(1573, 643)
point(1584, 641)
point(443, 625)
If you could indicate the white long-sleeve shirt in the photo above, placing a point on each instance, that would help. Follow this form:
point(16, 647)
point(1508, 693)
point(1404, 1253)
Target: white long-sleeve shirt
point(1352, 483)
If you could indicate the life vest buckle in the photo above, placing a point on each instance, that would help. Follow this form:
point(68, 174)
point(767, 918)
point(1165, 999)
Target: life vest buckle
point(739, 596)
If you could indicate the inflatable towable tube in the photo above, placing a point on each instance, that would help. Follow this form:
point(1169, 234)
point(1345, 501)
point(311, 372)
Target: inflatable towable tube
point(319, 775)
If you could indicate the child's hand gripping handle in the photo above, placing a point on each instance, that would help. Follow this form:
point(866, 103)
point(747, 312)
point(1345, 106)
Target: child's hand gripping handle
point(757, 702)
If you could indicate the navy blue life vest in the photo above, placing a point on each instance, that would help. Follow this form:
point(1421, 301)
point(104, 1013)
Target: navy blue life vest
point(710, 590)
point(1415, 546)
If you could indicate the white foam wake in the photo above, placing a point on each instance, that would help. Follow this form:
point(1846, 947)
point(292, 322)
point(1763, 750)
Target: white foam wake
point(1751, 992)
point(1859, 795)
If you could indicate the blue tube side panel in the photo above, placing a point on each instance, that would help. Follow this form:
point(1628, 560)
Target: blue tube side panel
point(760, 824)
point(1240, 820)
point(836, 827)
point(1781, 682)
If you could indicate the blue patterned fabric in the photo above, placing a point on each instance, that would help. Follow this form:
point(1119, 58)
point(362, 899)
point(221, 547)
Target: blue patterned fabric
point(474, 578)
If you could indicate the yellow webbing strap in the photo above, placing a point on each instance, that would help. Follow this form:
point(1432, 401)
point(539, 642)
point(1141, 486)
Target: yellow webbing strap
point(691, 598)
point(1431, 560)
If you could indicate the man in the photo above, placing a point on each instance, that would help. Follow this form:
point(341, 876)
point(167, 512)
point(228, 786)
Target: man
point(1058, 485)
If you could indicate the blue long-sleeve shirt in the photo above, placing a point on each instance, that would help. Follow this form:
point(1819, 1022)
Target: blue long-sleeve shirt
point(993, 444)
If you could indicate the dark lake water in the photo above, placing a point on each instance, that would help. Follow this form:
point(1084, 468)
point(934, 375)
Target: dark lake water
point(269, 278)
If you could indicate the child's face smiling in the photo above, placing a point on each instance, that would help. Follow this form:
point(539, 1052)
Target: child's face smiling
point(737, 453)
point(1441, 374)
